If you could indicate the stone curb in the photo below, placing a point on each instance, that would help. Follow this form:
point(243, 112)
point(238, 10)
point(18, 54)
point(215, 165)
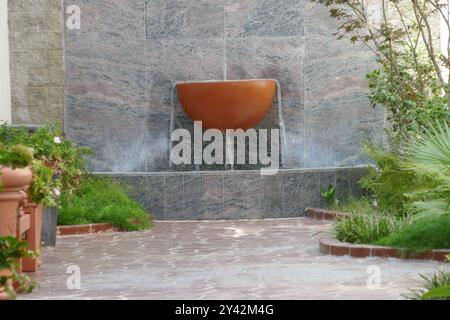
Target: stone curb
point(85, 229)
point(338, 248)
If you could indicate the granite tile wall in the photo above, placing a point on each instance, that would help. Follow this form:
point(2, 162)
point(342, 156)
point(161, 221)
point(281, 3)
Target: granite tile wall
point(122, 65)
point(36, 61)
point(241, 194)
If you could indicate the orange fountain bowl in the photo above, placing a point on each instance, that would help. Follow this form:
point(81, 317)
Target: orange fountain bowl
point(227, 104)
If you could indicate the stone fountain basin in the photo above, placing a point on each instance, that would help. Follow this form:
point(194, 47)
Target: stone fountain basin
point(234, 104)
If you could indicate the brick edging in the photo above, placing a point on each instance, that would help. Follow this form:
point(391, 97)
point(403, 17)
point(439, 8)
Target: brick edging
point(324, 214)
point(85, 229)
point(338, 248)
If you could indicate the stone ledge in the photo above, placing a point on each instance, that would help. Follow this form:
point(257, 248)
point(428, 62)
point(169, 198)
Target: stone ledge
point(338, 248)
point(85, 229)
point(324, 214)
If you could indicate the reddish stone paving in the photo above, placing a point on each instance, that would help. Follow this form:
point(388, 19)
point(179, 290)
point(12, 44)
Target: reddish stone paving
point(257, 259)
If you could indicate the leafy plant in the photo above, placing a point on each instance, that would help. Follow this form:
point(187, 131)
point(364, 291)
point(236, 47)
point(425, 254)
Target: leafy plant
point(423, 234)
point(329, 195)
point(100, 200)
point(59, 164)
point(429, 158)
point(11, 250)
point(389, 182)
point(368, 227)
point(436, 287)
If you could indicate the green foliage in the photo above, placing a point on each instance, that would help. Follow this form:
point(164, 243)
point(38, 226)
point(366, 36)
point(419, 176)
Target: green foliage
point(65, 161)
point(11, 250)
point(368, 227)
point(416, 180)
point(16, 156)
point(423, 234)
point(436, 287)
point(410, 98)
point(429, 158)
point(44, 188)
point(389, 182)
point(329, 196)
point(100, 200)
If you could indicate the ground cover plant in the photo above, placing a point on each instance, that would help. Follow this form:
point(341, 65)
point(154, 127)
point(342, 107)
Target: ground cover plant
point(101, 200)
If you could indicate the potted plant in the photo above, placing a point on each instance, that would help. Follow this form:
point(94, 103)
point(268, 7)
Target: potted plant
point(11, 251)
point(67, 164)
point(59, 168)
point(15, 176)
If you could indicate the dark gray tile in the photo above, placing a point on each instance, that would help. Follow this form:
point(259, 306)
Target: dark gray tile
point(105, 85)
point(111, 20)
point(278, 58)
point(136, 187)
point(293, 197)
point(273, 196)
point(234, 196)
point(213, 185)
point(181, 19)
point(254, 195)
point(311, 191)
point(342, 185)
point(264, 18)
point(157, 146)
point(171, 61)
point(115, 133)
point(104, 82)
point(193, 196)
point(355, 176)
point(156, 197)
point(174, 201)
point(335, 88)
point(293, 136)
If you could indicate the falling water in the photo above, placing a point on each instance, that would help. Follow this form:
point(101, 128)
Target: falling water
point(172, 120)
point(281, 120)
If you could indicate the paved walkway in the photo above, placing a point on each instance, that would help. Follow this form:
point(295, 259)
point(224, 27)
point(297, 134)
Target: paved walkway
point(263, 259)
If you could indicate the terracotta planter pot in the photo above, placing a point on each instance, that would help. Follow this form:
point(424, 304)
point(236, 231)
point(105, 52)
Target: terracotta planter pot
point(3, 294)
point(14, 182)
point(227, 104)
point(33, 235)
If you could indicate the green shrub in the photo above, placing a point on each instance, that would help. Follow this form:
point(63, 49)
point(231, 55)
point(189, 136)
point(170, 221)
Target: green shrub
point(389, 182)
point(436, 287)
point(429, 158)
point(424, 233)
point(368, 227)
point(101, 200)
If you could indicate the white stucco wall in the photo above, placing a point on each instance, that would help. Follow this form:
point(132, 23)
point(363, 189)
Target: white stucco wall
point(5, 88)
